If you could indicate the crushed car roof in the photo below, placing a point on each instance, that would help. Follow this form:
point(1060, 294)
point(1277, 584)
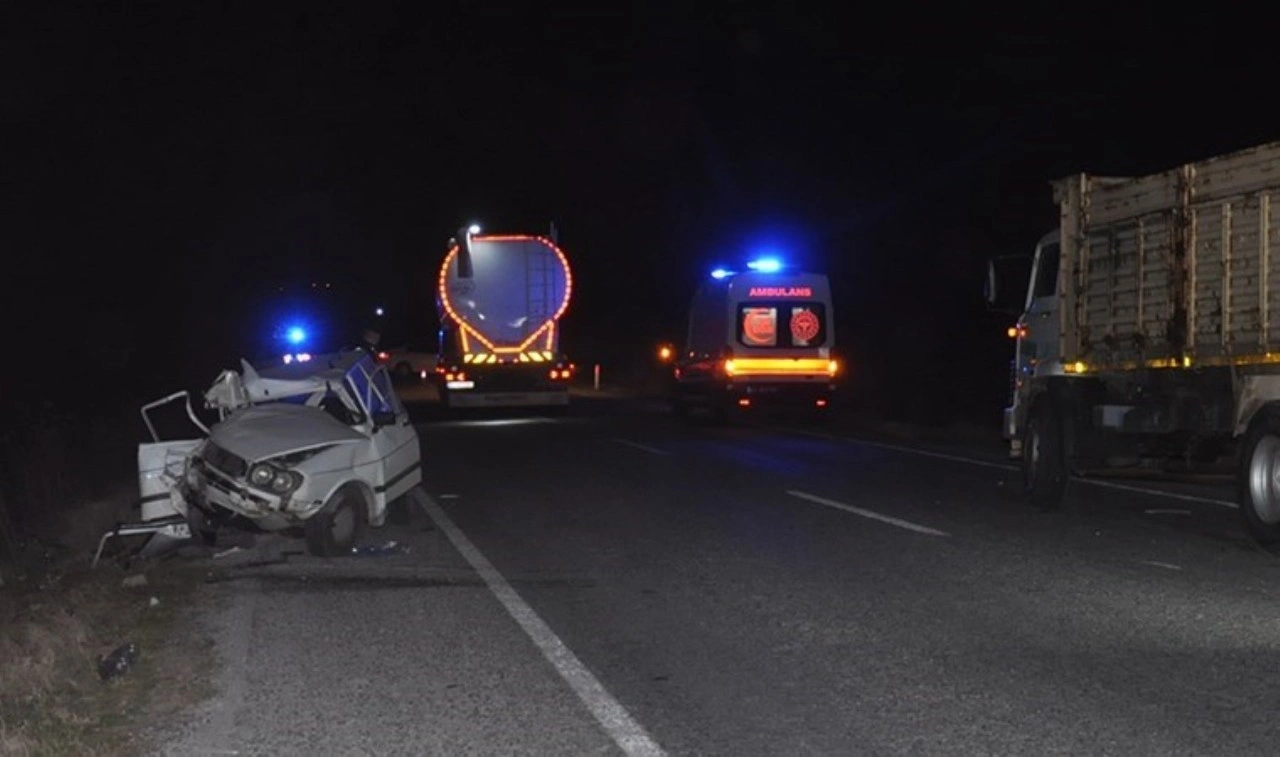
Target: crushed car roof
point(293, 379)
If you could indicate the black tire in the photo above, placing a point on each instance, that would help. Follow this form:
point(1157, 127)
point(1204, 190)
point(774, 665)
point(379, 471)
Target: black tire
point(1044, 459)
point(336, 528)
point(401, 511)
point(1259, 491)
point(203, 530)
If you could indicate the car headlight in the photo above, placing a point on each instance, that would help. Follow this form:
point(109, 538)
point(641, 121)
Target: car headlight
point(285, 482)
point(273, 479)
point(261, 475)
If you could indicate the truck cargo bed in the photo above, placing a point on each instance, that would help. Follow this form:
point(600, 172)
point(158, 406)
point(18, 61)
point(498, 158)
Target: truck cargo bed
point(1175, 269)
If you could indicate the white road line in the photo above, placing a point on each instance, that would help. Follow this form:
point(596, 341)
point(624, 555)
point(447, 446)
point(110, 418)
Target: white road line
point(868, 514)
point(1007, 466)
point(897, 448)
point(1157, 492)
point(645, 447)
point(1165, 565)
point(625, 731)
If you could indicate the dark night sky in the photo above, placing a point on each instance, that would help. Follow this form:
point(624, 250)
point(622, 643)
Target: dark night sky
point(172, 160)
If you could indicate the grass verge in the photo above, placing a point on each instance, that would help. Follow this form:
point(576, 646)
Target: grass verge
point(52, 700)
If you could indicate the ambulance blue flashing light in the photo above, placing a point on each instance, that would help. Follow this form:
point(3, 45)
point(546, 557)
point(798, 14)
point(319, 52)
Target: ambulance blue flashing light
point(765, 265)
point(295, 335)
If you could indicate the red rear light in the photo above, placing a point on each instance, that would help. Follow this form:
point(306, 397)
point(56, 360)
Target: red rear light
point(744, 402)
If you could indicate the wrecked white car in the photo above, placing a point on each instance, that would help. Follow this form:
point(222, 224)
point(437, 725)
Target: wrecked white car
point(323, 444)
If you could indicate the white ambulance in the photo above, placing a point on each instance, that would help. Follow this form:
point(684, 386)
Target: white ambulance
point(763, 336)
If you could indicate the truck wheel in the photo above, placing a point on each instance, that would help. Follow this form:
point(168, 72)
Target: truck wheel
point(1044, 464)
point(1259, 479)
point(334, 530)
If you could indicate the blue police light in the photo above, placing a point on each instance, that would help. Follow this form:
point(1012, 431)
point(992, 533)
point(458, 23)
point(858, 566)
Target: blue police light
point(296, 335)
point(720, 273)
point(765, 265)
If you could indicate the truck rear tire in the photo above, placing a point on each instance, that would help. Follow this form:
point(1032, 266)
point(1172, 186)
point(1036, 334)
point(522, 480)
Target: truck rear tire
point(1259, 482)
point(1044, 460)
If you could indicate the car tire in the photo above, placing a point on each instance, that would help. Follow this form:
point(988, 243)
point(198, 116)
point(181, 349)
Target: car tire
point(202, 529)
point(401, 511)
point(335, 529)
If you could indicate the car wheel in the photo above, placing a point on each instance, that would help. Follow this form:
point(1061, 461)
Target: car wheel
point(202, 529)
point(336, 528)
point(400, 512)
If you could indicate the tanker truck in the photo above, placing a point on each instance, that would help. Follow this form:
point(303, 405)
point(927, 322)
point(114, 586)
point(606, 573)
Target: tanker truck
point(1149, 331)
point(500, 299)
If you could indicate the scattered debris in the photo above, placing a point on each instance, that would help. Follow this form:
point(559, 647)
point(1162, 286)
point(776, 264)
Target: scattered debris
point(226, 552)
point(118, 662)
point(381, 550)
point(138, 579)
point(155, 602)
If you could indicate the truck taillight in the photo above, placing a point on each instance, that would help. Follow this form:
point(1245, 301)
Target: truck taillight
point(729, 367)
point(833, 367)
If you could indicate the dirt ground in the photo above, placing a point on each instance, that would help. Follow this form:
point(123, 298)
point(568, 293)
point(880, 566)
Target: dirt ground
point(53, 631)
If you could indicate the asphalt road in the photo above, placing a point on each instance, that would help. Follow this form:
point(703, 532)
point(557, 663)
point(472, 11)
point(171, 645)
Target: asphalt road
point(614, 580)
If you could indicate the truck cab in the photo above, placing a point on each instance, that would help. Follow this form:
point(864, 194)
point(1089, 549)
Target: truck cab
point(1036, 335)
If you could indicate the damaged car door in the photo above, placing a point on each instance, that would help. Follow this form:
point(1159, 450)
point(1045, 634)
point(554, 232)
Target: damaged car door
point(394, 440)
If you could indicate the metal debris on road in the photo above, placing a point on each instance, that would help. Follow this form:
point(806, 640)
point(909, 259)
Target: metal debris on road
point(380, 550)
point(118, 662)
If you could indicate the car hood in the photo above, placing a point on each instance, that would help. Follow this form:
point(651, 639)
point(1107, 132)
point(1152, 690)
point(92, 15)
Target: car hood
point(264, 431)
